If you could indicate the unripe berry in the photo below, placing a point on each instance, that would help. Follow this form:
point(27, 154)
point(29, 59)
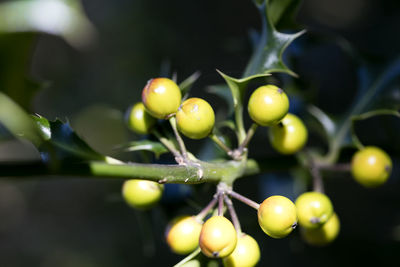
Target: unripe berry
point(195, 118)
point(161, 97)
point(268, 105)
point(246, 253)
point(218, 237)
point(277, 216)
point(139, 120)
point(141, 194)
point(288, 136)
point(183, 235)
point(322, 235)
point(313, 209)
point(371, 166)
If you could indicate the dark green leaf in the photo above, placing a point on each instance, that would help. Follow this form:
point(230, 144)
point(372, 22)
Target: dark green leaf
point(283, 12)
point(326, 122)
point(62, 142)
point(156, 147)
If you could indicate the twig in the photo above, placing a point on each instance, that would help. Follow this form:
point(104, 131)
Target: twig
point(203, 213)
point(239, 151)
point(220, 203)
point(244, 199)
point(166, 143)
point(221, 144)
point(232, 212)
point(172, 121)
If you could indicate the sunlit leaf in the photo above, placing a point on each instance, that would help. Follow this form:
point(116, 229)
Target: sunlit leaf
point(156, 147)
point(56, 17)
point(17, 121)
point(267, 57)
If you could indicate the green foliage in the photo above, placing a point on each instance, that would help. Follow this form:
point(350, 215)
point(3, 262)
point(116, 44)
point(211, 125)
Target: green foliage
point(146, 145)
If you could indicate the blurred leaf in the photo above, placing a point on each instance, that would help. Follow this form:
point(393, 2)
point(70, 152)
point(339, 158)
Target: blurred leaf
point(367, 115)
point(326, 122)
point(156, 147)
point(222, 90)
point(283, 12)
point(56, 17)
point(267, 57)
point(17, 121)
point(187, 84)
point(62, 142)
point(15, 58)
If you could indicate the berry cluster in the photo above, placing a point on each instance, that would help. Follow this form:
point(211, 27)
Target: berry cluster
point(211, 232)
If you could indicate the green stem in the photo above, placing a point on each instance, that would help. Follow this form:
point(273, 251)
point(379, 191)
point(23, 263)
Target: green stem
point(188, 258)
point(248, 137)
point(241, 133)
point(182, 147)
point(167, 143)
point(221, 144)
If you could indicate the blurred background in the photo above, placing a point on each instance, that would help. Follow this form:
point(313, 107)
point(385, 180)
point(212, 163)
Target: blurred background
point(88, 62)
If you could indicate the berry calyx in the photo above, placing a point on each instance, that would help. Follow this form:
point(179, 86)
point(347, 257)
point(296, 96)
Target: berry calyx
point(141, 194)
point(277, 216)
point(195, 118)
point(288, 136)
point(218, 237)
point(313, 209)
point(371, 166)
point(323, 235)
point(246, 253)
point(139, 120)
point(183, 234)
point(268, 104)
point(161, 97)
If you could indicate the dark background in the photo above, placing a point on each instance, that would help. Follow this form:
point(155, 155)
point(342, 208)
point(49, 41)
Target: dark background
point(77, 222)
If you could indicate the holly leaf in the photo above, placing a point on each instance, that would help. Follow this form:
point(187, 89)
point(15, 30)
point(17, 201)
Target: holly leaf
point(267, 57)
point(156, 147)
point(282, 12)
point(61, 142)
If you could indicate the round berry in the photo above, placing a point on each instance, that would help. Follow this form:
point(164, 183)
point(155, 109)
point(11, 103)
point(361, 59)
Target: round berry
point(139, 120)
point(218, 237)
point(322, 235)
point(246, 253)
point(313, 209)
point(277, 216)
point(195, 118)
point(268, 105)
point(288, 136)
point(183, 234)
point(161, 97)
point(371, 166)
point(141, 194)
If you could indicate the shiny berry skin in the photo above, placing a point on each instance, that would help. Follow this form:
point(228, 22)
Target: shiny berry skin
point(313, 209)
point(183, 234)
point(218, 237)
point(371, 166)
point(161, 97)
point(141, 194)
point(277, 216)
point(246, 253)
point(139, 120)
point(288, 136)
point(268, 105)
point(195, 118)
point(323, 235)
